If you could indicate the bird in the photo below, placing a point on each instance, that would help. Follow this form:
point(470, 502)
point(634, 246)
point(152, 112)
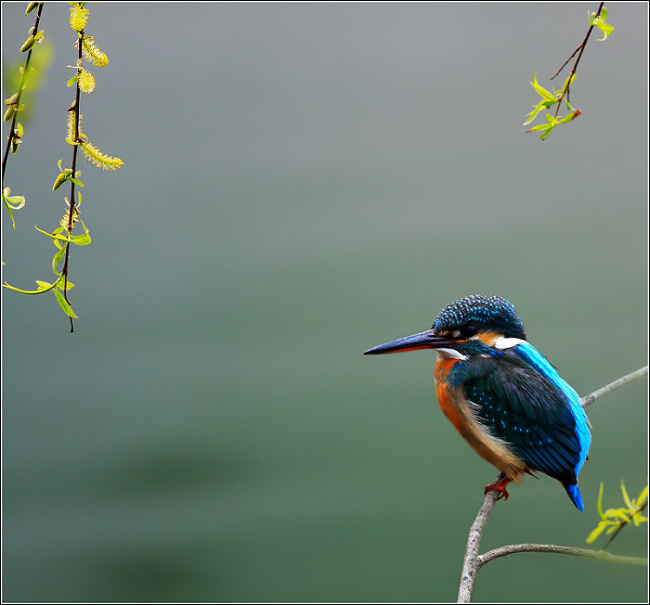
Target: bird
point(503, 396)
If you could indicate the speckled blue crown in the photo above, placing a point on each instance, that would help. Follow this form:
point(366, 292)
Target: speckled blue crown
point(487, 312)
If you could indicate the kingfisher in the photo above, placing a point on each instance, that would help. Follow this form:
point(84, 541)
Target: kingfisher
point(503, 396)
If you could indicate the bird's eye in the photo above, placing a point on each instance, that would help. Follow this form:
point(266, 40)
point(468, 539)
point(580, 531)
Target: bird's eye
point(469, 330)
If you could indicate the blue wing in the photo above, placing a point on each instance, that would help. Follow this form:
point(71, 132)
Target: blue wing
point(522, 400)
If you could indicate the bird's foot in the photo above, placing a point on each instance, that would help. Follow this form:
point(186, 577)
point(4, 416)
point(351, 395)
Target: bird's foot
point(499, 486)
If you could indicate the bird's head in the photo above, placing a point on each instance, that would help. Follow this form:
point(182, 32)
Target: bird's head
point(473, 325)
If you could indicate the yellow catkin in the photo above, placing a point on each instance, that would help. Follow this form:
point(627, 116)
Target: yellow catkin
point(99, 159)
point(78, 17)
point(86, 82)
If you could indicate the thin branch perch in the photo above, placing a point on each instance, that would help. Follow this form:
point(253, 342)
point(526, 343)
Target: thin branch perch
point(589, 399)
point(600, 555)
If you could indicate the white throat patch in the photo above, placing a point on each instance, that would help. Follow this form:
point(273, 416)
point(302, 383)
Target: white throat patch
point(450, 354)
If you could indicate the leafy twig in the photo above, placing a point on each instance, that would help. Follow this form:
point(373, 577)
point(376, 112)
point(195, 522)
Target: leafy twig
point(62, 237)
point(579, 50)
point(623, 523)
point(548, 98)
point(71, 210)
point(30, 43)
point(613, 520)
point(16, 130)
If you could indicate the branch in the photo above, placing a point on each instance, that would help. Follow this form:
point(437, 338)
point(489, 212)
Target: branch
point(473, 561)
point(601, 555)
point(589, 399)
point(71, 210)
point(12, 131)
point(579, 50)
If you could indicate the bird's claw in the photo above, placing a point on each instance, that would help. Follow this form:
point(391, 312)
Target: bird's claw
point(499, 486)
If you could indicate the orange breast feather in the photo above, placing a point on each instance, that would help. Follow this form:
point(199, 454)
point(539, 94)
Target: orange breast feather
point(459, 413)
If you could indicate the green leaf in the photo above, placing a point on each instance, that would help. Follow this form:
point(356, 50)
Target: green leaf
point(15, 201)
point(548, 100)
point(596, 532)
point(56, 259)
point(618, 515)
point(12, 202)
point(546, 133)
point(533, 114)
point(57, 242)
point(626, 498)
point(600, 500)
point(545, 129)
point(572, 116)
point(81, 240)
point(11, 215)
point(54, 235)
point(64, 304)
point(600, 23)
point(43, 286)
point(545, 94)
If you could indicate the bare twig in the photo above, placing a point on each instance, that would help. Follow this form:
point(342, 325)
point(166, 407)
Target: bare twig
point(573, 54)
point(589, 399)
point(472, 563)
point(601, 555)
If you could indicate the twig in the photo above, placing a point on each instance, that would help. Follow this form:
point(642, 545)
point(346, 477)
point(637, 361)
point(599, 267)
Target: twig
point(579, 50)
point(622, 524)
point(472, 564)
point(70, 225)
point(601, 555)
point(573, 54)
point(12, 130)
point(589, 399)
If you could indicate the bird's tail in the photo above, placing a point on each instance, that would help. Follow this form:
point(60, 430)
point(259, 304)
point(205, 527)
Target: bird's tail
point(576, 497)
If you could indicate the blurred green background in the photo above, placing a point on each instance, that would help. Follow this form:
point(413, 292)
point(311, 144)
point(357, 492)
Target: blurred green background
point(303, 182)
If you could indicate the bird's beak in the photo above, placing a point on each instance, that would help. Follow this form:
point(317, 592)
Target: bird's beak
point(423, 340)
